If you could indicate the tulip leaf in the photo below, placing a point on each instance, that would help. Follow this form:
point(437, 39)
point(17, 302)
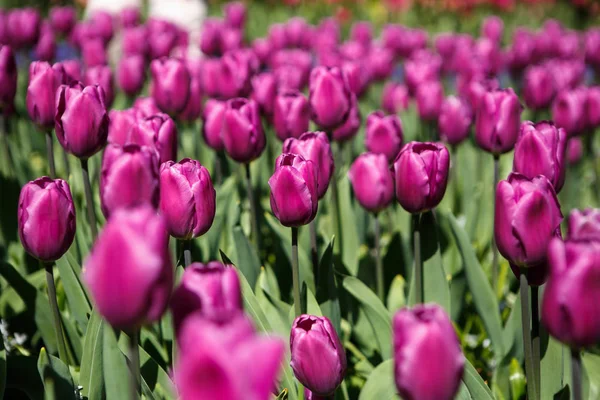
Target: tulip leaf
point(396, 298)
point(56, 377)
point(210, 241)
point(76, 295)
point(350, 239)
point(327, 288)
point(114, 364)
point(91, 375)
point(248, 261)
point(380, 383)
point(591, 364)
point(378, 316)
point(555, 363)
point(475, 384)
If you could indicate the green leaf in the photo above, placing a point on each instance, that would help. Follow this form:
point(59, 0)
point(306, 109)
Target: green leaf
point(79, 303)
point(378, 316)
point(91, 375)
point(247, 258)
point(116, 371)
point(396, 298)
point(518, 382)
point(476, 386)
point(350, 239)
point(380, 384)
point(327, 288)
point(554, 367)
point(591, 365)
point(57, 379)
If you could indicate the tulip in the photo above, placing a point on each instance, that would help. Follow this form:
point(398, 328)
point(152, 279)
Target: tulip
point(567, 74)
point(592, 47)
point(170, 84)
point(574, 150)
point(395, 98)
point(298, 33)
point(318, 357)
point(592, 107)
point(527, 217)
point(475, 88)
point(193, 108)
point(211, 290)
point(426, 332)
point(146, 106)
point(212, 118)
point(498, 120)
point(46, 218)
point(521, 53)
point(120, 125)
point(264, 90)
point(381, 63)
point(290, 77)
point(63, 19)
point(93, 52)
point(584, 225)
point(330, 97)
point(210, 39)
point(72, 70)
point(128, 178)
point(242, 133)
point(315, 147)
point(45, 48)
point(383, 134)
point(235, 14)
point(358, 77)
point(130, 17)
point(423, 68)
point(568, 111)
point(8, 79)
point(263, 49)
point(44, 81)
point(492, 28)
point(235, 75)
point(81, 120)
point(362, 32)
point(351, 125)
point(102, 22)
point(131, 74)
point(204, 367)
point(372, 181)
point(157, 131)
point(538, 87)
point(291, 114)
point(23, 25)
point(421, 175)
point(101, 75)
point(455, 120)
point(161, 37)
point(129, 271)
point(135, 41)
point(430, 96)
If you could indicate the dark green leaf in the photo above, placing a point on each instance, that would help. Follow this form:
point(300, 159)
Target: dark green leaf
point(554, 368)
point(476, 386)
point(247, 258)
point(116, 371)
point(327, 288)
point(91, 375)
point(57, 379)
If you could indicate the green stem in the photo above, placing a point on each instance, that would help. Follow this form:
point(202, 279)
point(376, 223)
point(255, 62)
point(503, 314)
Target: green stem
point(419, 289)
point(254, 217)
point(89, 199)
point(60, 338)
point(529, 371)
point(66, 161)
point(494, 247)
point(187, 252)
point(535, 337)
point(296, 272)
point(378, 261)
point(134, 367)
point(576, 369)
point(314, 250)
point(50, 154)
point(337, 218)
point(5, 149)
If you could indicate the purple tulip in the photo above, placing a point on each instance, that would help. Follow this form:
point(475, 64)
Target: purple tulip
point(372, 181)
point(424, 67)
point(72, 70)
point(430, 96)
point(291, 116)
point(315, 147)
point(210, 290)
point(351, 125)
point(45, 48)
point(568, 111)
point(455, 120)
point(570, 307)
point(210, 39)
point(129, 177)
point(574, 150)
point(46, 218)
point(146, 106)
point(383, 134)
point(541, 150)
point(380, 63)
point(242, 133)
point(395, 98)
point(584, 225)
point(567, 74)
point(102, 22)
point(263, 49)
point(135, 41)
point(294, 197)
point(330, 97)
point(592, 47)
point(421, 175)
point(362, 32)
point(492, 28)
point(93, 52)
point(520, 55)
point(264, 90)
point(8, 79)
point(357, 75)
point(235, 14)
point(193, 108)
point(592, 107)
point(498, 121)
point(204, 367)
point(44, 81)
point(538, 87)
point(157, 131)
point(131, 74)
point(426, 333)
point(23, 25)
point(63, 19)
point(161, 37)
point(120, 125)
point(212, 117)
point(129, 271)
point(130, 17)
point(298, 33)
point(81, 120)
point(236, 74)
point(101, 75)
point(527, 217)
point(290, 77)
point(318, 357)
point(170, 84)
point(474, 88)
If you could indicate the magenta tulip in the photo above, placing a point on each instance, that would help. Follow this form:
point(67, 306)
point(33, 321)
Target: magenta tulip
point(93, 52)
point(454, 123)
point(538, 87)
point(574, 150)
point(492, 28)
point(44, 81)
point(235, 14)
point(23, 25)
point(264, 90)
point(8, 79)
point(63, 19)
point(395, 98)
point(130, 17)
point(170, 84)
point(330, 97)
point(592, 107)
point(193, 108)
point(146, 106)
point(584, 224)
point(101, 75)
point(381, 63)
point(423, 68)
point(72, 70)
point(568, 111)
point(498, 121)
point(45, 48)
point(135, 41)
point(430, 96)
point(242, 133)
point(351, 125)
point(372, 181)
point(131, 74)
point(291, 116)
point(157, 131)
point(383, 134)
point(362, 32)
point(212, 117)
point(592, 47)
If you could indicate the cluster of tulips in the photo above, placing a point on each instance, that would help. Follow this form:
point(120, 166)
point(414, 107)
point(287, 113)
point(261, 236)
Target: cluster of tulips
point(237, 89)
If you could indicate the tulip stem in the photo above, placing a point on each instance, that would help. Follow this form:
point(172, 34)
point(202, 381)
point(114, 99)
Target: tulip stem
point(378, 261)
point(89, 199)
point(296, 272)
point(4, 139)
point(337, 218)
point(535, 336)
point(419, 290)
point(529, 372)
point(134, 366)
point(494, 247)
point(187, 252)
point(576, 368)
point(314, 251)
point(50, 154)
point(254, 217)
point(66, 161)
point(60, 338)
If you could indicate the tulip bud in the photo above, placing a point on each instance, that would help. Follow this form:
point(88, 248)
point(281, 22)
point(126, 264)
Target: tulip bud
point(291, 114)
point(135, 41)
point(45, 48)
point(235, 14)
point(44, 81)
point(93, 52)
point(383, 134)
point(538, 87)
point(63, 19)
point(46, 218)
point(129, 271)
point(568, 111)
point(23, 25)
point(72, 70)
point(592, 47)
point(170, 84)
point(212, 116)
point(351, 125)
point(584, 225)
point(421, 175)
point(146, 106)
point(395, 98)
point(157, 131)
point(372, 181)
point(362, 32)
point(193, 108)
point(129, 177)
point(8, 79)
point(81, 120)
point(381, 63)
point(492, 28)
point(242, 133)
point(574, 150)
point(315, 147)
point(207, 350)
point(102, 21)
point(358, 76)
point(570, 306)
point(130, 17)
point(264, 90)
point(424, 67)
point(592, 107)
point(455, 120)
point(211, 290)
point(131, 74)
point(498, 120)
point(426, 332)
point(318, 357)
point(527, 217)
point(330, 97)
point(101, 75)
point(298, 33)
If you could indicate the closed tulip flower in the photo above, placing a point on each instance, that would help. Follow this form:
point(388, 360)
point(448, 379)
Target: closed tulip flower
point(101, 75)
point(574, 150)
point(430, 96)
point(211, 290)
point(130, 17)
point(23, 25)
point(146, 106)
point(421, 175)
point(129, 178)
point(81, 120)
point(93, 52)
point(584, 224)
point(568, 111)
point(129, 271)
point(538, 87)
point(8, 79)
point(72, 70)
point(193, 108)
point(426, 332)
point(264, 90)
point(395, 98)
point(131, 74)
point(372, 181)
point(242, 133)
point(358, 76)
point(314, 146)
point(121, 122)
point(157, 131)
point(527, 217)
point(423, 68)
point(134, 41)
point(235, 14)
point(318, 357)
point(570, 306)
point(170, 84)
point(592, 47)
point(498, 121)
point(45, 48)
point(362, 32)
point(592, 107)
point(212, 117)
point(63, 19)
point(383, 134)
point(351, 125)
point(381, 63)
point(204, 367)
point(46, 218)
point(330, 97)
point(291, 116)
point(492, 28)
point(44, 81)
point(455, 120)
